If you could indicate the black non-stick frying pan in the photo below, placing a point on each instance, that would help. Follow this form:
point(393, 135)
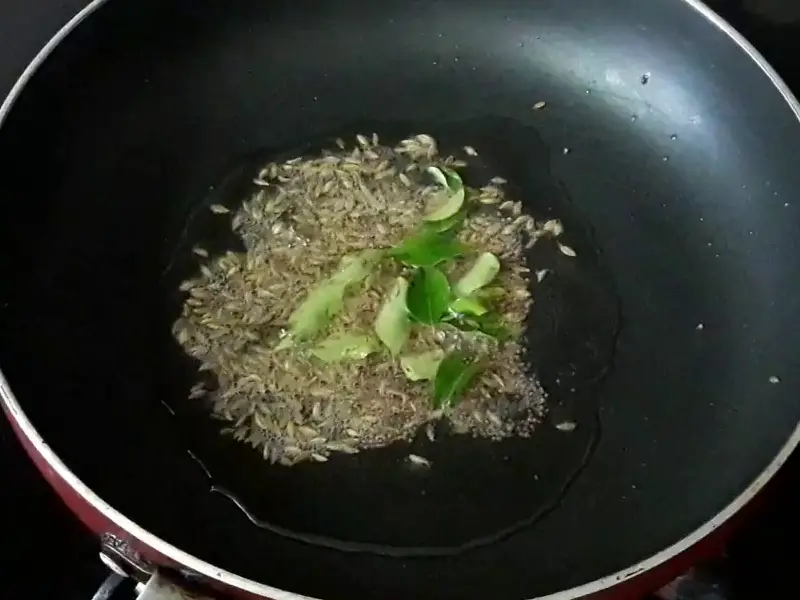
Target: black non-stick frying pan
point(668, 149)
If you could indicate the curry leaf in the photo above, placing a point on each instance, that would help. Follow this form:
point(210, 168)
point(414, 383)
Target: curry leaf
point(327, 299)
point(344, 346)
point(420, 367)
point(447, 178)
point(482, 273)
point(487, 324)
point(285, 343)
point(393, 325)
point(314, 314)
point(489, 294)
point(428, 249)
point(492, 325)
point(454, 181)
point(444, 204)
point(468, 306)
point(449, 224)
point(438, 176)
point(428, 295)
point(453, 378)
point(449, 200)
point(355, 267)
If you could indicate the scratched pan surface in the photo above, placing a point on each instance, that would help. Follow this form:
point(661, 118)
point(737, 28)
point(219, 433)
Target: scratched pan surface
point(663, 147)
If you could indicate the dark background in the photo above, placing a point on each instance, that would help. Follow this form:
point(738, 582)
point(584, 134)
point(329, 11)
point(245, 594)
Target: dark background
point(48, 554)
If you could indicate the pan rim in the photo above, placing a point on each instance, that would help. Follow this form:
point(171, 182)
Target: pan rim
point(206, 569)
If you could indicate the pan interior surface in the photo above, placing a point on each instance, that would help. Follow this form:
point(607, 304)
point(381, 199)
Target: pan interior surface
point(685, 181)
point(479, 490)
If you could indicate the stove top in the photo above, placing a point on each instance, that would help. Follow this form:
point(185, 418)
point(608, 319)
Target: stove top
point(53, 556)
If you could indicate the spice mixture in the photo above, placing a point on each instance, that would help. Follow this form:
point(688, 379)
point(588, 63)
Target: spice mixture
point(377, 295)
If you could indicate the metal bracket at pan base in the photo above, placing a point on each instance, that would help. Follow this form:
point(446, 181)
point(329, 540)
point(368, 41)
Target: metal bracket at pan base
point(124, 562)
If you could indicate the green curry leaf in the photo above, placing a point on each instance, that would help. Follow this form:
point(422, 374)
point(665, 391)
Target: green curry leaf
point(452, 223)
point(428, 295)
point(327, 298)
point(421, 367)
point(438, 176)
point(487, 324)
point(453, 377)
point(428, 249)
point(489, 294)
point(444, 205)
point(483, 271)
point(344, 346)
point(449, 200)
point(446, 178)
point(393, 325)
point(468, 305)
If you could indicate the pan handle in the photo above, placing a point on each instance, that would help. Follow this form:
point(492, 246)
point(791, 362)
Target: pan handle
point(126, 564)
point(157, 587)
point(111, 583)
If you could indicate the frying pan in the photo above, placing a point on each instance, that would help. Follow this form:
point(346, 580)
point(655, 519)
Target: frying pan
point(666, 145)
